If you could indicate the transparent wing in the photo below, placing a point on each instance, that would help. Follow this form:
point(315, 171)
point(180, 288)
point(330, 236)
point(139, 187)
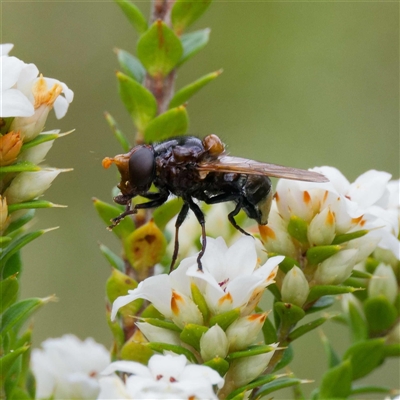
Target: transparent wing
point(250, 167)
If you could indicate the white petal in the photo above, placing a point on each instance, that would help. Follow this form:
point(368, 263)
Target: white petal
point(11, 68)
point(167, 366)
point(336, 178)
point(15, 104)
point(130, 367)
point(5, 48)
point(112, 387)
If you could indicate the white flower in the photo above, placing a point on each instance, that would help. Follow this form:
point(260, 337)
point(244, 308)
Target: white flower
point(166, 377)
point(68, 368)
point(230, 279)
point(383, 283)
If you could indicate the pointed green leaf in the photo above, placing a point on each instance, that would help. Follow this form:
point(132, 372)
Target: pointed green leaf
point(19, 312)
point(21, 221)
point(13, 265)
point(42, 138)
point(133, 14)
point(322, 303)
point(357, 323)
point(225, 319)
point(360, 274)
point(107, 212)
point(4, 240)
point(136, 351)
point(380, 314)
point(19, 394)
point(192, 334)
point(218, 364)
point(114, 260)
point(151, 312)
point(8, 292)
point(287, 264)
point(161, 347)
point(200, 301)
point(139, 101)
point(289, 314)
point(184, 13)
point(28, 205)
point(288, 355)
point(192, 43)
point(123, 141)
point(159, 49)
point(255, 384)
point(131, 65)
point(251, 351)
point(345, 237)
point(392, 350)
point(333, 358)
point(336, 382)
point(328, 290)
point(184, 94)
point(23, 166)
point(17, 244)
point(162, 324)
point(277, 385)
point(297, 228)
point(163, 214)
point(8, 360)
point(317, 254)
point(365, 356)
point(172, 123)
point(357, 390)
point(303, 329)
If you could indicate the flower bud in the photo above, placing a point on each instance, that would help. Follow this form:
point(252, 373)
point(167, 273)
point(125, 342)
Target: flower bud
point(10, 146)
point(44, 99)
point(4, 218)
point(321, 230)
point(244, 331)
point(37, 153)
point(214, 343)
point(184, 310)
point(295, 287)
point(337, 268)
point(383, 283)
point(158, 334)
point(29, 185)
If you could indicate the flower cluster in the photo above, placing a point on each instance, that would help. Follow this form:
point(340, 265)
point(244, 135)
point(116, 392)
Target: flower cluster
point(210, 315)
point(27, 99)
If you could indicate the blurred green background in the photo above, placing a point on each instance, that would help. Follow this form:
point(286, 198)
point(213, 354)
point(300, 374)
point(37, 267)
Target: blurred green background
point(304, 84)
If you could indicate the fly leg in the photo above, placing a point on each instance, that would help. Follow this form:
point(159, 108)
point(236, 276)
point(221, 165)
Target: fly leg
point(181, 217)
point(200, 217)
point(221, 198)
point(128, 211)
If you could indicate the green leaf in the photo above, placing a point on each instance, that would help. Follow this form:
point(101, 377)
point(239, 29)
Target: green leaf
point(318, 291)
point(42, 138)
point(360, 274)
point(184, 13)
point(131, 65)
point(317, 254)
point(159, 49)
point(23, 166)
point(251, 351)
point(288, 355)
point(392, 350)
point(172, 123)
point(336, 382)
point(133, 14)
point(192, 334)
point(19, 312)
point(123, 141)
point(365, 356)
point(345, 237)
point(140, 103)
point(303, 329)
point(218, 364)
point(21, 221)
point(381, 314)
point(8, 360)
point(136, 351)
point(200, 301)
point(225, 319)
point(357, 323)
point(19, 394)
point(184, 94)
point(4, 240)
point(107, 212)
point(13, 265)
point(17, 244)
point(269, 332)
point(254, 384)
point(322, 303)
point(8, 292)
point(114, 260)
point(287, 264)
point(33, 204)
point(333, 358)
point(297, 228)
point(370, 389)
point(192, 43)
point(161, 347)
point(277, 385)
point(163, 214)
point(289, 314)
point(162, 324)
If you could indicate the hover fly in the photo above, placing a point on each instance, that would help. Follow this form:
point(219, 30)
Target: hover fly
point(191, 168)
